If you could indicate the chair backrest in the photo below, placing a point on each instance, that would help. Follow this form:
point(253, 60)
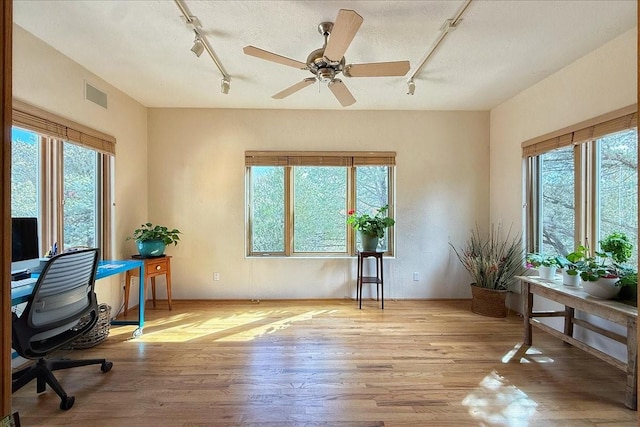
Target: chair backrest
point(62, 307)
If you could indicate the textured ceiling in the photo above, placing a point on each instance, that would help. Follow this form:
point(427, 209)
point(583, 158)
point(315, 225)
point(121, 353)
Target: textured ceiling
point(499, 48)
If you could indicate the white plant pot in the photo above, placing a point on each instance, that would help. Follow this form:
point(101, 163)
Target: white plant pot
point(602, 288)
point(547, 273)
point(570, 280)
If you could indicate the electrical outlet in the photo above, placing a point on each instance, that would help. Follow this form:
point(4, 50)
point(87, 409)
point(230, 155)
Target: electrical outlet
point(216, 276)
point(415, 276)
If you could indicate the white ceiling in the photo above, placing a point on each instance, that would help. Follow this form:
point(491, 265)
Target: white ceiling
point(501, 47)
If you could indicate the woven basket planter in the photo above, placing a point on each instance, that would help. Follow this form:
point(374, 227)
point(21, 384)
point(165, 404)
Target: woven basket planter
point(488, 302)
point(99, 332)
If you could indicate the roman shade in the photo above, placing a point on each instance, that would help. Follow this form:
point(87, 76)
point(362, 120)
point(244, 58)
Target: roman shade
point(45, 123)
point(315, 158)
point(616, 121)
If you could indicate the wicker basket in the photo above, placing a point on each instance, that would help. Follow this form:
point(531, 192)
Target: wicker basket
point(99, 332)
point(488, 302)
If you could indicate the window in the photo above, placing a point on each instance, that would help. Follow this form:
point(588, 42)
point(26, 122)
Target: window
point(61, 173)
point(298, 202)
point(80, 196)
point(25, 173)
point(557, 207)
point(617, 186)
point(583, 184)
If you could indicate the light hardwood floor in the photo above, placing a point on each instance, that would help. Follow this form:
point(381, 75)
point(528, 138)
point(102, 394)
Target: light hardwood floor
point(326, 363)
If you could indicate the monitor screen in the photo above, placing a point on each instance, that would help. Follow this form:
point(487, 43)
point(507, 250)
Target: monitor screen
point(24, 235)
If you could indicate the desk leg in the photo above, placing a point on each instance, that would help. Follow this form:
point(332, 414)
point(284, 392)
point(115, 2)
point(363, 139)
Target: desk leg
point(528, 307)
point(141, 293)
point(631, 398)
point(127, 283)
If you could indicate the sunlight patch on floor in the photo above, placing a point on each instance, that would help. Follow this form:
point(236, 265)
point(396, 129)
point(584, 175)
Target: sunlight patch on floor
point(521, 353)
point(496, 402)
point(237, 328)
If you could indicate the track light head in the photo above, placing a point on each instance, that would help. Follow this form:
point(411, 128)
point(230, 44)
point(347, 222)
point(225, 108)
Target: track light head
point(225, 84)
point(411, 87)
point(198, 46)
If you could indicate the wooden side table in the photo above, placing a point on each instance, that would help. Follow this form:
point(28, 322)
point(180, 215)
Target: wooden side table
point(153, 267)
point(377, 279)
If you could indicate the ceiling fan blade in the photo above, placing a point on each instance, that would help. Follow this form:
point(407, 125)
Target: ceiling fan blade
point(269, 56)
point(293, 89)
point(341, 93)
point(344, 30)
point(377, 69)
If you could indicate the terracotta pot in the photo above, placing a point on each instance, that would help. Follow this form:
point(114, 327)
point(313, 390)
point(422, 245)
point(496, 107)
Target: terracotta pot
point(488, 302)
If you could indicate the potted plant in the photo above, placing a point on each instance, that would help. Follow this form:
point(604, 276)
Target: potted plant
point(571, 266)
point(371, 228)
point(152, 240)
point(604, 274)
point(546, 264)
point(493, 261)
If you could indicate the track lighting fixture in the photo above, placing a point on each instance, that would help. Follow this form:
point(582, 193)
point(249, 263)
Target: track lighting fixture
point(198, 46)
point(201, 43)
point(412, 87)
point(225, 83)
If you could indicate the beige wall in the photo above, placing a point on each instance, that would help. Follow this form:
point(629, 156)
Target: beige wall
point(597, 83)
point(600, 82)
point(45, 78)
point(196, 183)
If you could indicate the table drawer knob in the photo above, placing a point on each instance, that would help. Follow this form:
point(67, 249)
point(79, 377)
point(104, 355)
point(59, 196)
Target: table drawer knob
point(158, 267)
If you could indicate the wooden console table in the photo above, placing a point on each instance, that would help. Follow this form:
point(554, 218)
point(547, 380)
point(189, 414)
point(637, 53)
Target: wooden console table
point(574, 298)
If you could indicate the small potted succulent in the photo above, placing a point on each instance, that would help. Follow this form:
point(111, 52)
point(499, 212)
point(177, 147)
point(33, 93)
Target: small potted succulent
point(152, 240)
point(546, 264)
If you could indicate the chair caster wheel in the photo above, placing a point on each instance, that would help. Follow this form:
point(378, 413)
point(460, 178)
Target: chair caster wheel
point(67, 402)
point(137, 333)
point(106, 366)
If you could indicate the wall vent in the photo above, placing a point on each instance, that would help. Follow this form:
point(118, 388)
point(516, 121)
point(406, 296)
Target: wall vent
point(95, 95)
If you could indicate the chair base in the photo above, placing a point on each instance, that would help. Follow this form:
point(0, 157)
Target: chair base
point(42, 372)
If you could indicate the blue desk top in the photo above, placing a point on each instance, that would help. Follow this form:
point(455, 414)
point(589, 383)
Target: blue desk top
point(105, 269)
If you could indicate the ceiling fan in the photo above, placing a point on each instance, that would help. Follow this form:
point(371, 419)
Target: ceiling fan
point(328, 61)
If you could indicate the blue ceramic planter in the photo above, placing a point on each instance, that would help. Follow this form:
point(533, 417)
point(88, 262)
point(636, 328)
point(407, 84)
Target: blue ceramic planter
point(151, 248)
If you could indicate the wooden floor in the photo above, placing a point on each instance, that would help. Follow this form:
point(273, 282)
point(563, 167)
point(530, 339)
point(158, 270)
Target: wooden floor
point(326, 363)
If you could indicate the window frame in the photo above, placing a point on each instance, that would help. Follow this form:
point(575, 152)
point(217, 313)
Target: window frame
point(289, 160)
point(584, 138)
point(53, 131)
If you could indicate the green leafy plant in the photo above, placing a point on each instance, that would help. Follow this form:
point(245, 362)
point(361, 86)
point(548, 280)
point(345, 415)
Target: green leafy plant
point(149, 231)
point(492, 260)
point(609, 262)
point(373, 225)
point(618, 247)
point(535, 260)
point(573, 261)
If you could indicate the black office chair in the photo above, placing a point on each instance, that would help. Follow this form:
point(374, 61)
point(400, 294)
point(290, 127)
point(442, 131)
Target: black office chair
point(62, 307)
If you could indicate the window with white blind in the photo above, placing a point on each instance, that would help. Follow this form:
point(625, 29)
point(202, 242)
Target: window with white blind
point(582, 184)
point(297, 202)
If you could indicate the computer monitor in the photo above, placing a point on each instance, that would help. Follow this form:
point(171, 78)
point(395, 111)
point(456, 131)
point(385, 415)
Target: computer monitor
point(25, 251)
